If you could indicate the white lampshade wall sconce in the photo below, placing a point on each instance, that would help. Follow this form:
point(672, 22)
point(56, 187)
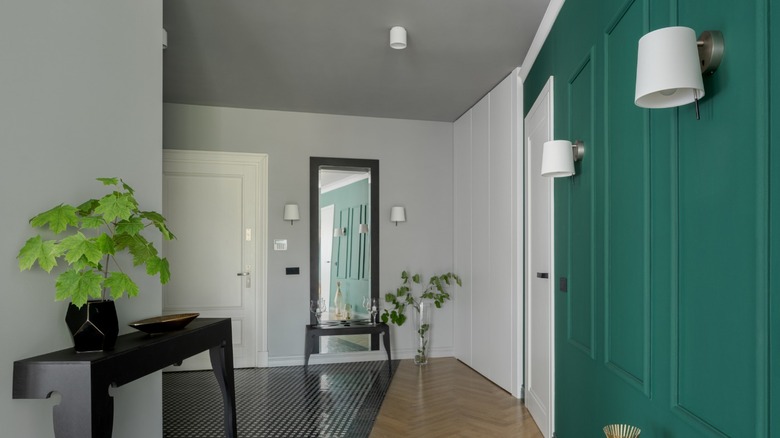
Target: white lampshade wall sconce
point(558, 157)
point(398, 38)
point(397, 214)
point(291, 213)
point(670, 65)
point(339, 232)
point(363, 229)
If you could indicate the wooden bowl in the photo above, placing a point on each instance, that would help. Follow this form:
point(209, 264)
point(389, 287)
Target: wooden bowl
point(164, 323)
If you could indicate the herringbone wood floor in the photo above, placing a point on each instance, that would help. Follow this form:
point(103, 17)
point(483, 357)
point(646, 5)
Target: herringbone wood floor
point(448, 399)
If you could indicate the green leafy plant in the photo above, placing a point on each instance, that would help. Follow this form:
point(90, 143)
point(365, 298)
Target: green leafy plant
point(98, 230)
point(435, 290)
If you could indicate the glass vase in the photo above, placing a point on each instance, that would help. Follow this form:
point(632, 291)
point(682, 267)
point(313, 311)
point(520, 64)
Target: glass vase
point(422, 332)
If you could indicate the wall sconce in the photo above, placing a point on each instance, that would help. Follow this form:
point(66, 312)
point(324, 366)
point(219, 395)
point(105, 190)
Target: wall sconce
point(670, 65)
point(558, 157)
point(363, 229)
point(339, 232)
point(397, 214)
point(291, 213)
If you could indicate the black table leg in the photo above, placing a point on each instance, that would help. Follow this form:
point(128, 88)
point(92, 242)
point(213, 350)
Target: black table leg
point(308, 345)
point(85, 409)
point(386, 341)
point(222, 363)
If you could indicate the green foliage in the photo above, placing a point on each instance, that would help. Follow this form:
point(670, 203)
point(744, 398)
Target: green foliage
point(97, 229)
point(435, 290)
point(36, 249)
point(58, 218)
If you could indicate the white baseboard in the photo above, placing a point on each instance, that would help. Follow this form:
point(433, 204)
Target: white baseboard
point(262, 359)
point(201, 362)
point(367, 356)
point(314, 359)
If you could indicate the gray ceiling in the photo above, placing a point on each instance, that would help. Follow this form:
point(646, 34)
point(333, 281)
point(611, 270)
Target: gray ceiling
point(333, 56)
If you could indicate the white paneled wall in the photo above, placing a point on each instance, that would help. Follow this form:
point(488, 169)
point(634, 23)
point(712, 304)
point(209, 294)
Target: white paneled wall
point(488, 237)
point(462, 242)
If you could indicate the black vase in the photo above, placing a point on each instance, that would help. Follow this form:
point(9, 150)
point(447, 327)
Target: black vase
point(94, 326)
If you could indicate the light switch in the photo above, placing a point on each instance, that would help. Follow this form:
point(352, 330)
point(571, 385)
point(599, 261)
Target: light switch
point(280, 244)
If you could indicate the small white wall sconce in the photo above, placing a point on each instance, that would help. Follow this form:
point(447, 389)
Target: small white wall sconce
point(291, 213)
point(363, 229)
point(558, 157)
point(398, 37)
point(339, 232)
point(670, 64)
point(397, 214)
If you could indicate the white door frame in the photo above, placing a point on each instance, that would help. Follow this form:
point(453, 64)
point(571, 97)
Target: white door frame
point(260, 276)
point(545, 97)
point(326, 250)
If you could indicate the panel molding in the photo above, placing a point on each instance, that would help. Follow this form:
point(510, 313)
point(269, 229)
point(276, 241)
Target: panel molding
point(586, 64)
point(642, 381)
point(761, 179)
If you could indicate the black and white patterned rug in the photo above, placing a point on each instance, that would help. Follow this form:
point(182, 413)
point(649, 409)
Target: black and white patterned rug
point(327, 401)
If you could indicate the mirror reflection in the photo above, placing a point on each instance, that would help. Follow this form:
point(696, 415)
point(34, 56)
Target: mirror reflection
point(344, 247)
point(344, 242)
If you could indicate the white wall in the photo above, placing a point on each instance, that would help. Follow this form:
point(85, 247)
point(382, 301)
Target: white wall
point(80, 93)
point(415, 163)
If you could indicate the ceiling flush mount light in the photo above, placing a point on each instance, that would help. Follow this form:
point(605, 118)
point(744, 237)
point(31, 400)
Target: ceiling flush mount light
point(398, 214)
point(670, 65)
point(558, 157)
point(398, 37)
point(291, 213)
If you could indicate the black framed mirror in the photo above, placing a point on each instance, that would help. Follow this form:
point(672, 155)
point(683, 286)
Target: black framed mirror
point(344, 241)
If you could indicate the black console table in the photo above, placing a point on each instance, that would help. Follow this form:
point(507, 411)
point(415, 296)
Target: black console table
point(82, 379)
point(313, 333)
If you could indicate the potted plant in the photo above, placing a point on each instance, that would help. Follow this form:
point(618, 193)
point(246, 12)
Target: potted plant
point(89, 239)
point(435, 291)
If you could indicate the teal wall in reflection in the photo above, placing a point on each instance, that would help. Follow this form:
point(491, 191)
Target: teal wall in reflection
point(350, 263)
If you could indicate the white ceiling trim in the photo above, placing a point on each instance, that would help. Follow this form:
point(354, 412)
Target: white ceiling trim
point(553, 9)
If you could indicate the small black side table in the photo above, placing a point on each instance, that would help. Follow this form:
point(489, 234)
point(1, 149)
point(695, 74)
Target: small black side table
point(86, 409)
point(313, 333)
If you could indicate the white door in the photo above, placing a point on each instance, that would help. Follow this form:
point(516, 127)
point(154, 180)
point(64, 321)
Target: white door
point(540, 277)
point(326, 251)
point(215, 204)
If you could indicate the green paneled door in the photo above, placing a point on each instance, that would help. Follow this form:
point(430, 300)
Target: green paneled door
point(663, 234)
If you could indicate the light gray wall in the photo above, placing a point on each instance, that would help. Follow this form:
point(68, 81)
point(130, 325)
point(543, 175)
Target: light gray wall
point(415, 160)
point(80, 98)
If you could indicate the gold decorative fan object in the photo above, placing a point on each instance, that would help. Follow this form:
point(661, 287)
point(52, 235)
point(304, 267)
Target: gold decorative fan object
point(621, 431)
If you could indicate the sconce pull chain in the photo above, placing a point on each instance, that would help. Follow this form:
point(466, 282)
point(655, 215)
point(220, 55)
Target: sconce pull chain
point(696, 99)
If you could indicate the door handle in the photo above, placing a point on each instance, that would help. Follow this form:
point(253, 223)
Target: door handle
point(248, 280)
point(542, 275)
